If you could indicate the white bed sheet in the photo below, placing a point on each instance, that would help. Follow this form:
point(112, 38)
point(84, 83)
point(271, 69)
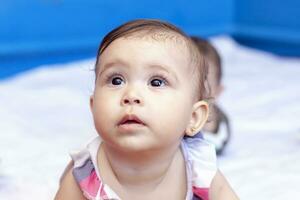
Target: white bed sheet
point(44, 113)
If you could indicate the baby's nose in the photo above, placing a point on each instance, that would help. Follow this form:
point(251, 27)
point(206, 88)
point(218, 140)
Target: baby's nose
point(131, 101)
point(132, 97)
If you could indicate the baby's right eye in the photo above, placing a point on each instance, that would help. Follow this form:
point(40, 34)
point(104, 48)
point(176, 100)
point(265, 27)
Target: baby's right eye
point(117, 80)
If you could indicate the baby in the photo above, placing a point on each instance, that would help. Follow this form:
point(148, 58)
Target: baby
point(217, 128)
point(149, 94)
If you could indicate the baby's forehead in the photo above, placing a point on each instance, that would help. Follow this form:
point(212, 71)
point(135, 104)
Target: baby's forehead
point(167, 37)
point(171, 39)
point(178, 45)
point(148, 50)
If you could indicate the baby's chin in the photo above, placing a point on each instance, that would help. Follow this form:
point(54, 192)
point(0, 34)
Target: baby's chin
point(131, 143)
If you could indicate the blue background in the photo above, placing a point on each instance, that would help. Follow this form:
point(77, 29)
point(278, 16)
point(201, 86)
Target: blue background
point(35, 32)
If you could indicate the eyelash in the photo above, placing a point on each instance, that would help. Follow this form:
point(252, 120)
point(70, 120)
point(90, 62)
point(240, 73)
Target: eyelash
point(160, 77)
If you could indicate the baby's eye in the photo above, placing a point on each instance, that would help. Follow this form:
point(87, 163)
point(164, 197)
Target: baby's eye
point(117, 81)
point(157, 82)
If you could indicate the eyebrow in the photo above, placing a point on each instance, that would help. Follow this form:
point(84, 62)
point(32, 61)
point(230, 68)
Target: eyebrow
point(110, 64)
point(163, 68)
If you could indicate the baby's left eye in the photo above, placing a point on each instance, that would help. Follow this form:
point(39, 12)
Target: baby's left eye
point(157, 82)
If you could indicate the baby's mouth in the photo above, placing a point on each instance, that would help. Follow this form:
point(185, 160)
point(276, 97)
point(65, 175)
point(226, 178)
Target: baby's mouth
point(130, 119)
point(131, 122)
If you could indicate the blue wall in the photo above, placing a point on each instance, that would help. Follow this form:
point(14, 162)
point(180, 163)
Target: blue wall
point(35, 32)
point(272, 25)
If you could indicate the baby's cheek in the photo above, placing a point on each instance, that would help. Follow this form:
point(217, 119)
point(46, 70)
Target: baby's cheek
point(175, 115)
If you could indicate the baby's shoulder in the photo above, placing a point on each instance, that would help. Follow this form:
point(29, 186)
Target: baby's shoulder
point(201, 165)
point(85, 170)
point(198, 149)
point(201, 156)
point(68, 188)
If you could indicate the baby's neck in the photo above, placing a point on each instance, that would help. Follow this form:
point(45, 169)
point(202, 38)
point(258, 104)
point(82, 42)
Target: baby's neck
point(140, 173)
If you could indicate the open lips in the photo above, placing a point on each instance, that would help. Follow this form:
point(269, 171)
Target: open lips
point(131, 119)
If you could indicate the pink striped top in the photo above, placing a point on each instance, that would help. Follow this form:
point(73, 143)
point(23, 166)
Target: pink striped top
point(200, 159)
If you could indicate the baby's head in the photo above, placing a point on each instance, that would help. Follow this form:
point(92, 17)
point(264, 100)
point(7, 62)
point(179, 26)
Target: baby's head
point(149, 86)
point(213, 60)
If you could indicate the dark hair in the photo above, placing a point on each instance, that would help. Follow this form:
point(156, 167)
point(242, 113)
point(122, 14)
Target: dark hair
point(210, 54)
point(145, 27)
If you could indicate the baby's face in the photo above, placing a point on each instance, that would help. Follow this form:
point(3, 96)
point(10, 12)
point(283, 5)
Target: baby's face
point(143, 96)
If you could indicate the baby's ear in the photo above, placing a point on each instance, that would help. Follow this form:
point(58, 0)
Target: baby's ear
point(198, 118)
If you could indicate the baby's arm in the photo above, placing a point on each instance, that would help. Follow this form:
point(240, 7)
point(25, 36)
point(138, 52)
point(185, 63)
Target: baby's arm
point(220, 189)
point(69, 189)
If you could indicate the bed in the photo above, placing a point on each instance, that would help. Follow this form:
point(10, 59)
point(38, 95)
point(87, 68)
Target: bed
point(44, 114)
